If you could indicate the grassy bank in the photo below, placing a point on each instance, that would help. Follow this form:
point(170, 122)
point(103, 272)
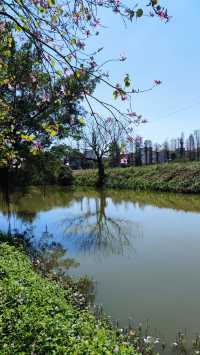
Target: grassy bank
point(174, 177)
point(37, 316)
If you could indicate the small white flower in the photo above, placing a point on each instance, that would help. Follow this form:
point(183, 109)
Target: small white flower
point(116, 349)
point(148, 339)
point(175, 344)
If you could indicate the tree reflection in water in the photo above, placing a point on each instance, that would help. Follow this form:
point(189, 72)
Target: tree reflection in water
point(95, 232)
point(53, 254)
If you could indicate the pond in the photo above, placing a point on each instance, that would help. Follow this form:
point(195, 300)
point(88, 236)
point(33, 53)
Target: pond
point(143, 249)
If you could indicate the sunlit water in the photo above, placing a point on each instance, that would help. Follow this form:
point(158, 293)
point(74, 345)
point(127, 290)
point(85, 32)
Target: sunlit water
point(143, 249)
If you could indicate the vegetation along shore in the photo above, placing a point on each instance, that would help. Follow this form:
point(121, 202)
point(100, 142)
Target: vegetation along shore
point(171, 177)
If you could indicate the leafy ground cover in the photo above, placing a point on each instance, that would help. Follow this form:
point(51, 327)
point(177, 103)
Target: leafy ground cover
point(174, 177)
point(38, 315)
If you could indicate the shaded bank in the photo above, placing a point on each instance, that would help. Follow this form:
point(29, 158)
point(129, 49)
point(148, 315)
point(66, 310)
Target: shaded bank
point(28, 202)
point(173, 177)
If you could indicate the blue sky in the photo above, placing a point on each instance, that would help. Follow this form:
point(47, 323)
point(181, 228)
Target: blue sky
point(169, 52)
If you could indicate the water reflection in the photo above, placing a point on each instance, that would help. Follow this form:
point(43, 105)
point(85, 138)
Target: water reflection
point(31, 201)
point(95, 232)
point(53, 256)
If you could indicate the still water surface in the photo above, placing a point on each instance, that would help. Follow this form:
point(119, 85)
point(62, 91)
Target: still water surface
point(143, 249)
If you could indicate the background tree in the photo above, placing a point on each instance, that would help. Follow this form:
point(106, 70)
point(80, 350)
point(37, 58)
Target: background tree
point(197, 143)
point(100, 135)
point(114, 154)
point(191, 147)
point(182, 146)
point(138, 147)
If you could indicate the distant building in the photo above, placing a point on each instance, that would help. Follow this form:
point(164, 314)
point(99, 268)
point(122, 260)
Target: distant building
point(146, 155)
point(89, 154)
point(131, 159)
point(124, 160)
point(163, 156)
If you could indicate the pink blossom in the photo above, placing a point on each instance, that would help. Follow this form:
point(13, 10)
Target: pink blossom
point(132, 114)
point(83, 71)
point(45, 97)
point(163, 15)
point(106, 74)
point(122, 58)
point(116, 9)
point(44, 4)
point(96, 23)
point(80, 44)
point(37, 35)
point(109, 120)
point(93, 64)
point(68, 72)
point(37, 145)
point(130, 139)
point(138, 139)
point(157, 82)
point(124, 97)
point(88, 33)
point(33, 78)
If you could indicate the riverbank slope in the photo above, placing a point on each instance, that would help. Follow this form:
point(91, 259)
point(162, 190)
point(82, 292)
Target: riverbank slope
point(171, 177)
point(37, 316)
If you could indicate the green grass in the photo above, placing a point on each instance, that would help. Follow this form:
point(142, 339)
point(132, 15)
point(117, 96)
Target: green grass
point(37, 316)
point(174, 177)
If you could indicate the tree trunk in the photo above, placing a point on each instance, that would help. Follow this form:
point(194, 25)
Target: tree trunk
point(101, 172)
point(4, 178)
point(4, 186)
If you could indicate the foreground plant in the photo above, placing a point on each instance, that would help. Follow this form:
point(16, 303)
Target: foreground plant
point(37, 315)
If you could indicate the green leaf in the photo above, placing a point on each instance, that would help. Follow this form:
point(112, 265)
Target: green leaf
point(58, 72)
point(51, 3)
point(127, 81)
point(81, 121)
point(139, 13)
point(18, 28)
point(53, 62)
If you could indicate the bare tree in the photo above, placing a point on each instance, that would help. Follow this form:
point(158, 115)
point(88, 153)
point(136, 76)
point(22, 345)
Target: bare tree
point(99, 135)
point(182, 147)
point(156, 153)
point(197, 142)
point(191, 146)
